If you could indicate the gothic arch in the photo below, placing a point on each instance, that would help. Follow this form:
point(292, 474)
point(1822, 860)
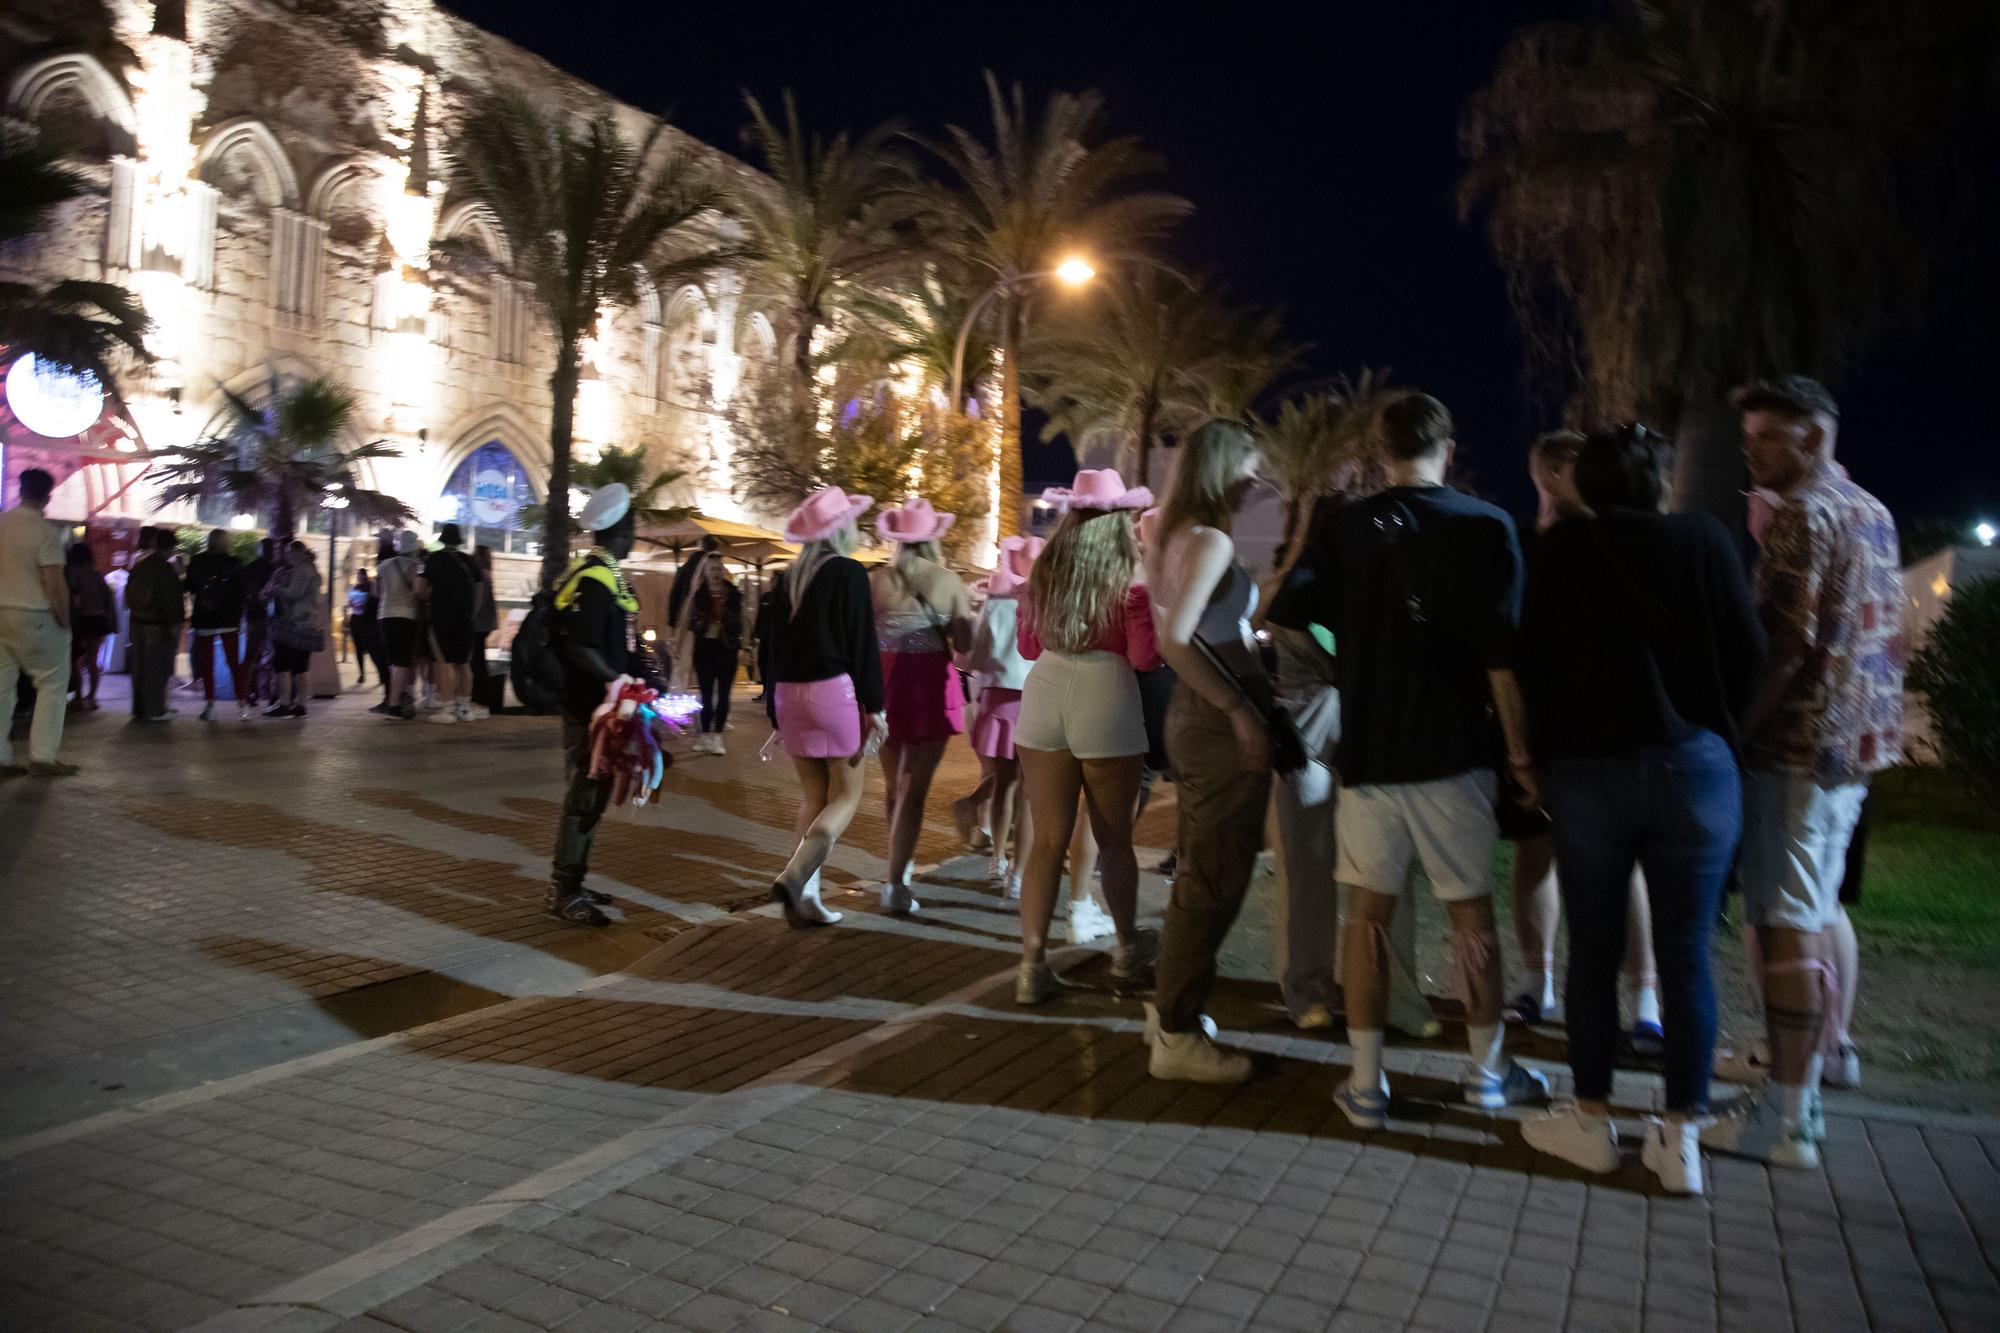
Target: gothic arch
point(475, 220)
point(271, 173)
point(38, 84)
point(495, 421)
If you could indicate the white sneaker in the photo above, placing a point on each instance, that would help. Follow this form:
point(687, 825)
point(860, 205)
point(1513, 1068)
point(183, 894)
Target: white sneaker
point(1315, 1018)
point(430, 704)
point(1844, 1071)
point(1153, 1025)
point(1088, 921)
point(244, 712)
point(1761, 1134)
point(996, 873)
point(443, 716)
point(811, 908)
point(477, 713)
point(1673, 1153)
point(1515, 1085)
point(1590, 1142)
point(1363, 1109)
point(715, 745)
point(897, 900)
point(1193, 1057)
point(1014, 885)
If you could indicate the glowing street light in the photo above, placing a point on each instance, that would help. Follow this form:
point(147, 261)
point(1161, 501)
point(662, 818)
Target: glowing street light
point(1986, 533)
point(1074, 271)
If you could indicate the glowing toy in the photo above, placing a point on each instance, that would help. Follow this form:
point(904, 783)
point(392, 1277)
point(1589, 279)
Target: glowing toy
point(629, 734)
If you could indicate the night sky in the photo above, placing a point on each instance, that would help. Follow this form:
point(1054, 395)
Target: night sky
point(1320, 152)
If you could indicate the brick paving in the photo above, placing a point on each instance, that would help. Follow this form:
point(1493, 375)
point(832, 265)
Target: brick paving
point(731, 1126)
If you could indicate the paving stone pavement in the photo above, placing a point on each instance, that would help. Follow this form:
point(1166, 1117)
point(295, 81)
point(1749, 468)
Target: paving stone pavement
point(714, 1123)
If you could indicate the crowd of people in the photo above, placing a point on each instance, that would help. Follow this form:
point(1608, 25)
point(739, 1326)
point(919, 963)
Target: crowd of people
point(1649, 716)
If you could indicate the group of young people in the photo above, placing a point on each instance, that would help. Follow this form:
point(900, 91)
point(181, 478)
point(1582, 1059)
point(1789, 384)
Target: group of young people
point(1632, 703)
point(425, 619)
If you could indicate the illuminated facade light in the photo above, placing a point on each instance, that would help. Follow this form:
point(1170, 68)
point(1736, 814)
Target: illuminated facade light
point(52, 401)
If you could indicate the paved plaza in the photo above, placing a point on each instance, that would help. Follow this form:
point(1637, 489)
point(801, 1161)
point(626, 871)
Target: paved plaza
point(288, 1045)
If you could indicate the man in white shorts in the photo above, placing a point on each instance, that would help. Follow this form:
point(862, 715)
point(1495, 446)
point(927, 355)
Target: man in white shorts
point(1827, 714)
point(1421, 586)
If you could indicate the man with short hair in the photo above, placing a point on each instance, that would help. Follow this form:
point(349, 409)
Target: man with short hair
point(34, 627)
point(155, 605)
point(396, 585)
point(449, 590)
point(1826, 716)
point(215, 587)
point(1421, 586)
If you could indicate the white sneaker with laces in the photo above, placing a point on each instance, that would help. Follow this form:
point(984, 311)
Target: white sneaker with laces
point(715, 745)
point(1515, 1085)
point(1193, 1057)
point(1014, 885)
point(442, 716)
point(1673, 1153)
point(1153, 1025)
point(1762, 1134)
point(1588, 1141)
point(1363, 1109)
point(1088, 921)
point(996, 872)
point(477, 713)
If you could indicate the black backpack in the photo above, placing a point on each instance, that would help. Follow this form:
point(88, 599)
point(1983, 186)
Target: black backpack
point(536, 667)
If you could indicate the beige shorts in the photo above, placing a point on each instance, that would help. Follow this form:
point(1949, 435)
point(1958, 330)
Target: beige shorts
point(1447, 825)
point(1087, 704)
point(1794, 853)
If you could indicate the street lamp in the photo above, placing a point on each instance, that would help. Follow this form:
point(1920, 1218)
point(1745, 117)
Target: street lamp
point(1073, 271)
point(1986, 533)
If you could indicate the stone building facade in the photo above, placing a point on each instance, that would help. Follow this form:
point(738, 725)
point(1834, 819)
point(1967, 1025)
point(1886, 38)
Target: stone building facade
point(274, 178)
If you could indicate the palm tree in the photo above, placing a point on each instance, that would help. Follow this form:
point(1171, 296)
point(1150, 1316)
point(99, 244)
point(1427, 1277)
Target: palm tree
point(629, 467)
point(283, 456)
point(825, 231)
point(1043, 183)
point(81, 325)
point(586, 214)
point(1686, 194)
point(1319, 442)
point(1151, 354)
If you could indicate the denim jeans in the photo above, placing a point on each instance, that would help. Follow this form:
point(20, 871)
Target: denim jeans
point(1675, 811)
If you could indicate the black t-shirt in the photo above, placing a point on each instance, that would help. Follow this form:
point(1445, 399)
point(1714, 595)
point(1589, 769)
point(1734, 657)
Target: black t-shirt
point(255, 575)
point(454, 581)
point(1421, 586)
point(215, 583)
point(1637, 629)
point(594, 620)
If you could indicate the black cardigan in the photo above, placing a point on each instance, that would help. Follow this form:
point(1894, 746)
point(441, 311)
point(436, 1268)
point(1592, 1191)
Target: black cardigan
point(1637, 629)
point(831, 634)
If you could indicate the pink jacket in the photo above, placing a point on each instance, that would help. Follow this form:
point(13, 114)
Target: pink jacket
point(1129, 634)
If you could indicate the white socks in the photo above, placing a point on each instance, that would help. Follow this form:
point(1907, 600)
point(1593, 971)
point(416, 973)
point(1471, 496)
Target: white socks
point(1367, 1075)
point(1484, 1043)
point(1542, 985)
point(1790, 1101)
point(1645, 1000)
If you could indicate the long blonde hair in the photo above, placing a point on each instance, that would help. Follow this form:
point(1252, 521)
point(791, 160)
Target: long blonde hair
point(1082, 577)
point(1209, 465)
point(812, 555)
point(910, 556)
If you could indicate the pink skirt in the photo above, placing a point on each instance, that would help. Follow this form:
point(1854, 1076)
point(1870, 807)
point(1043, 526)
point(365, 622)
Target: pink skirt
point(922, 697)
point(819, 719)
point(993, 729)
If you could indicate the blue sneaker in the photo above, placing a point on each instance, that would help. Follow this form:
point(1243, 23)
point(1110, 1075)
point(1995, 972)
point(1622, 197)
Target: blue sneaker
point(1364, 1110)
point(1519, 1084)
point(1648, 1042)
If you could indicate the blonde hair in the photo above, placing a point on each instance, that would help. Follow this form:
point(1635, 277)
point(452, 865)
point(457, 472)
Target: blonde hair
point(908, 555)
point(1080, 581)
point(1209, 465)
point(812, 555)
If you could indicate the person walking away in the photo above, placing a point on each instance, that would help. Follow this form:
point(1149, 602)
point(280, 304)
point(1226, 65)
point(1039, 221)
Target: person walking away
point(34, 626)
point(595, 607)
point(1536, 903)
point(297, 630)
point(1825, 717)
point(362, 612)
point(396, 583)
point(1217, 736)
point(827, 700)
point(93, 618)
point(153, 601)
point(256, 658)
point(1640, 647)
point(770, 608)
point(923, 615)
point(1086, 625)
point(215, 588)
point(1421, 587)
point(448, 591)
point(715, 627)
point(998, 674)
point(485, 624)
point(1302, 808)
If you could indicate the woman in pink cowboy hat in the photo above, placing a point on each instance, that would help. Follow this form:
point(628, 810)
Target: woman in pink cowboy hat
point(1086, 627)
point(1203, 601)
point(998, 672)
point(827, 702)
point(923, 615)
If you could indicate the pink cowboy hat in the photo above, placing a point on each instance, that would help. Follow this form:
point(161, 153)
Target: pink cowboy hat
point(1017, 557)
point(1098, 488)
point(823, 513)
point(913, 521)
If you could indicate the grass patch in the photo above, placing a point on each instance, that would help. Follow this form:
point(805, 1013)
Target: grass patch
point(1931, 889)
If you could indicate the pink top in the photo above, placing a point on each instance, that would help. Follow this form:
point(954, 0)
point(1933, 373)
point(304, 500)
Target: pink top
point(1129, 634)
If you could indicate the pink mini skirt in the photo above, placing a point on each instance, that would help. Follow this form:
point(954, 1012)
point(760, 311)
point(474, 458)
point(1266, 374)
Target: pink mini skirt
point(923, 698)
point(819, 719)
point(993, 729)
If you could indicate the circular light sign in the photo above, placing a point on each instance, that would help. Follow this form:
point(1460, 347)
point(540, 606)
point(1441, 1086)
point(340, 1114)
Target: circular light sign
point(53, 402)
point(492, 498)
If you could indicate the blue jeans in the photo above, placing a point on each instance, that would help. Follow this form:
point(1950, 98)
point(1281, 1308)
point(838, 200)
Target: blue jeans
point(1675, 811)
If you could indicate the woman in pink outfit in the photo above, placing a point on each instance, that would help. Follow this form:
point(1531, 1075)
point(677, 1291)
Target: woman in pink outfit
point(923, 615)
point(998, 672)
point(1086, 628)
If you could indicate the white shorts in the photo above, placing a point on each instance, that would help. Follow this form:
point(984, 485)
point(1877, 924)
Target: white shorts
point(1087, 704)
point(1794, 856)
point(1448, 825)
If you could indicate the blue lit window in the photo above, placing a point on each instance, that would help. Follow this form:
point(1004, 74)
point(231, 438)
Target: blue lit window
point(485, 496)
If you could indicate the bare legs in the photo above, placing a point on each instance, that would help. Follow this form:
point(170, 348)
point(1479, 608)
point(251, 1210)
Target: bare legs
point(1083, 859)
point(907, 771)
point(1109, 788)
point(1846, 953)
point(1535, 909)
point(829, 795)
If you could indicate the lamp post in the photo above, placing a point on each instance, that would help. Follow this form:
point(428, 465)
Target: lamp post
point(1074, 271)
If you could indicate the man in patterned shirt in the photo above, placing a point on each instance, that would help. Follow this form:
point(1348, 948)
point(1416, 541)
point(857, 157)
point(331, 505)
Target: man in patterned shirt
point(1827, 714)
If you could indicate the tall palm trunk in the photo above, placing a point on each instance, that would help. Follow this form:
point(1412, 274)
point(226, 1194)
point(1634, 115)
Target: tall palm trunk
point(1011, 323)
point(562, 426)
point(1149, 413)
point(1708, 460)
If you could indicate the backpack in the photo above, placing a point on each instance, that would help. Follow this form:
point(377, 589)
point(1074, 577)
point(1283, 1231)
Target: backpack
point(536, 666)
point(218, 595)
